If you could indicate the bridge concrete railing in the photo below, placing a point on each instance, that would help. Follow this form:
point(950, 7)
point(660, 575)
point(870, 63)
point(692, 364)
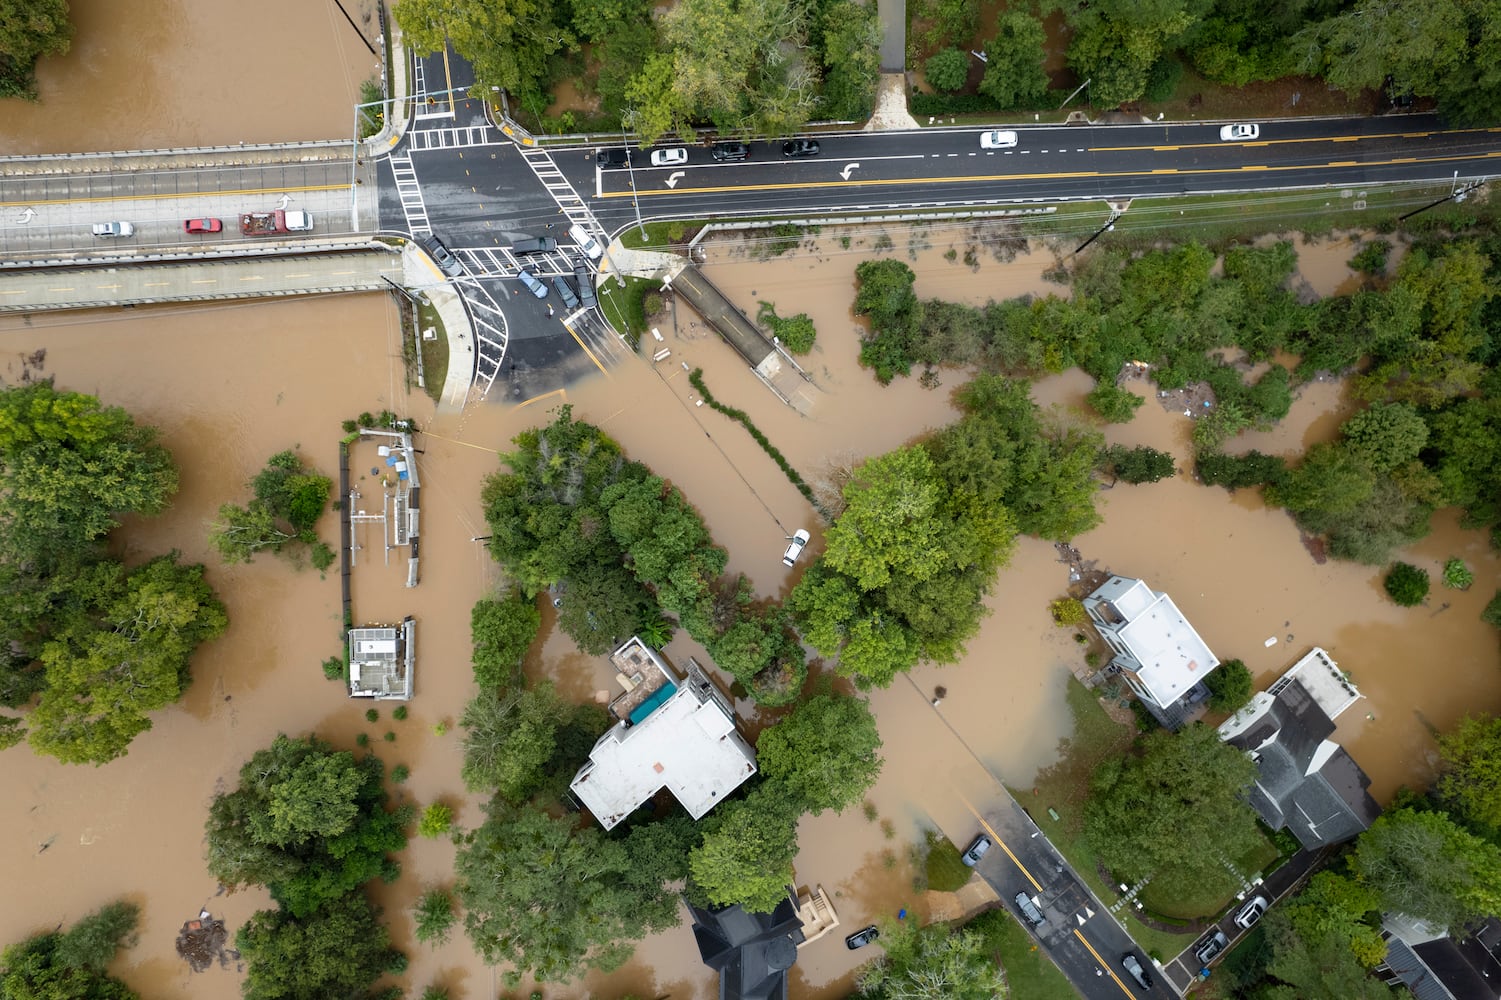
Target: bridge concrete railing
point(320, 150)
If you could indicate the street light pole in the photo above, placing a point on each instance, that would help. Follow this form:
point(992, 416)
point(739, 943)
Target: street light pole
point(625, 144)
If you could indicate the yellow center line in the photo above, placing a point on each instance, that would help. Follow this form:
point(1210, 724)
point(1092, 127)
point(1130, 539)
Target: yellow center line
point(205, 281)
point(59, 289)
point(1303, 139)
point(1062, 175)
point(1343, 163)
point(997, 838)
point(253, 277)
point(157, 284)
point(108, 286)
point(193, 194)
point(1103, 964)
point(13, 291)
point(589, 352)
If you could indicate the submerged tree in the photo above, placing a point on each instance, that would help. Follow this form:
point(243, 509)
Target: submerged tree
point(288, 500)
point(69, 965)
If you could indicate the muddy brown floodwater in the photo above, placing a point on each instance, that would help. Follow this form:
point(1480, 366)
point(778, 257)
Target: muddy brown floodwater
point(196, 73)
point(229, 386)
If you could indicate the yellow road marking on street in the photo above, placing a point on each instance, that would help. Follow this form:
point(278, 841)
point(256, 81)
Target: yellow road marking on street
point(109, 286)
point(205, 281)
point(1343, 163)
point(1064, 175)
point(561, 393)
point(157, 284)
point(448, 79)
point(59, 289)
point(253, 277)
point(997, 838)
point(588, 352)
point(1103, 964)
point(1291, 140)
point(159, 197)
point(305, 274)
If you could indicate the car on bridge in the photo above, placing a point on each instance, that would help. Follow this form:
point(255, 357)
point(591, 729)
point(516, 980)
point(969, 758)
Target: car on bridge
point(998, 139)
point(1240, 132)
point(443, 257)
point(730, 151)
point(202, 226)
point(109, 230)
point(674, 157)
point(800, 147)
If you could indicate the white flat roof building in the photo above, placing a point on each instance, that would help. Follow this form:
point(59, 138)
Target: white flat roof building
point(1155, 647)
point(687, 744)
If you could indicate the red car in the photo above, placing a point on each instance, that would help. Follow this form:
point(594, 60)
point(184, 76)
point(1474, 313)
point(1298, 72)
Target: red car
point(202, 226)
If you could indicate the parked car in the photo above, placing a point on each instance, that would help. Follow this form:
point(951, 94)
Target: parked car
point(795, 546)
point(532, 284)
point(676, 156)
point(730, 151)
point(998, 139)
point(862, 937)
point(1241, 132)
point(565, 292)
point(1251, 912)
point(535, 244)
point(1029, 910)
point(612, 157)
point(109, 230)
point(588, 244)
point(1136, 970)
point(800, 147)
point(202, 226)
point(1212, 946)
point(443, 257)
point(585, 280)
point(976, 850)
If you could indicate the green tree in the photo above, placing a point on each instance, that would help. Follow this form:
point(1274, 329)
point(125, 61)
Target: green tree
point(1239, 471)
point(337, 950)
point(306, 821)
point(885, 295)
point(433, 916)
point(934, 962)
point(1315, 967)
point(509, 44)
point(105, 672)
point(1116, 43)
point(1172, 810)
point(508, 741)
point(1340, 907)
point(851, 37)
point(1115, 404)
point(1386, 435)
point(29, 30)
point(1406, 584)
point(71, 965)
point(287, 501)
point(1470, 782)
point(746, 854)
point(1230, 686)
point(1138, 465)
point(553, 900)
point(1014, 73)
point(1418, 45)
point(1423, 864)
point(947, 69)
point(825, 752)
point(437, 820)
point(502, 631)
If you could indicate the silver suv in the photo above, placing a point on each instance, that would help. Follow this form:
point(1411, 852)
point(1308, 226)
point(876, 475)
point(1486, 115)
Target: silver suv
point(1136, 971)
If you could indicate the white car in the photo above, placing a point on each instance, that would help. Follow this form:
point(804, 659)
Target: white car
point(1250, 913)
point(674, 157)
point(998, 139)
point(1240, 132)
point(588, 245)
point(795, 546)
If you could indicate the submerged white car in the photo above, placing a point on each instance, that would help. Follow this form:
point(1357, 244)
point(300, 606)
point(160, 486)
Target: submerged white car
point(674, 157)
point(795, 546)
point(998, 139)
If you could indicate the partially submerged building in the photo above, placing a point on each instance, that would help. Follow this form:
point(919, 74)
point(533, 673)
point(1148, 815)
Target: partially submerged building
point(381, 658)
point(1436, 966)
point(752, 952)
point(673, 732)
point(1156, 649)
point(1305, 782)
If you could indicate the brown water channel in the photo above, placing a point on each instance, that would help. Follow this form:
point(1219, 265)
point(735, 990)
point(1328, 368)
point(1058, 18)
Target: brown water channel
point(229, 386)
point(172, 73)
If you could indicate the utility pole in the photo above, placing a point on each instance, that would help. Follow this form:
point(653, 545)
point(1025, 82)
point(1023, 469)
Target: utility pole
point(1107, 227)
point(1453, 195)
point(630, 168)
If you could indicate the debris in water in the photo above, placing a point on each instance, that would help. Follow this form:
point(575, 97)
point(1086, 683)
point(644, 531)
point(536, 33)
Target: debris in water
point(201, 942)
point(1270, 642)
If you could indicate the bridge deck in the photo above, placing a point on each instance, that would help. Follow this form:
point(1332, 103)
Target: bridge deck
point(720, 313)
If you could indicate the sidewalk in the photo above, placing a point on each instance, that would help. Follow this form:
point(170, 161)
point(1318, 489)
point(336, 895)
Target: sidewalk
point(421, 275)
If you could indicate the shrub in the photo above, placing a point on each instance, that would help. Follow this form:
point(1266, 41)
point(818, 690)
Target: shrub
point(333, 668)
point(371, 714)
point(946, 872)
point(400, 773)
point(947, 69)
point(1406, 584)
point(1457, 576)
point(437, 819)
point(400, 713)
point(651, 303)
point(1115, 404)
point(362, 739)
point(1236, 471)
point(1163, 79)
point(1138, 465)
point(1492, 613)
point(321, 556)
point(795, 332)
point(390, 737)
point(1068, 611)
point(1372, 258)
point(433, 916)
point(1230, 686)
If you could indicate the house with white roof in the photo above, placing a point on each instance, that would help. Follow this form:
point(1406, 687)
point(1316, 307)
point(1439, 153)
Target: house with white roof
point(1156, 649)
point(674, 732)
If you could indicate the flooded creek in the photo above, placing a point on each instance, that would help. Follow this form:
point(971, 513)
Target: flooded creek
point(229, 386)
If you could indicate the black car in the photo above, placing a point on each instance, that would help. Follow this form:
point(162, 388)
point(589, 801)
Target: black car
point(565, 292)
point(612, 157)
point(443, 256)
point(861, 938)
point(800, 147)
point(585, 279)
point(730, 151)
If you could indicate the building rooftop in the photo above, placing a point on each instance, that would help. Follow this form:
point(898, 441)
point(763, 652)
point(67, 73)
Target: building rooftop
point(752, 952)
point(1173, 657)
point(687, 744)
point(1322, 678)
point(381, 661)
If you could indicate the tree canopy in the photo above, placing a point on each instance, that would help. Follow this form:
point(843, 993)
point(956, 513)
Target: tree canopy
point(502, 630)
point(29, 30)
point(1173, 809)
point(338, 949)
point(936, 962)
point(825, 752)
point(1470, 782)
point(288, 500)
point(69, 965)
point(747, 850)
point(1425, 865)
point(308, 822)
